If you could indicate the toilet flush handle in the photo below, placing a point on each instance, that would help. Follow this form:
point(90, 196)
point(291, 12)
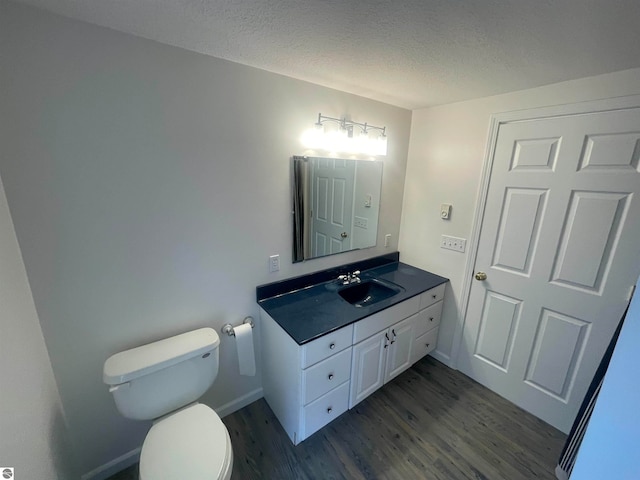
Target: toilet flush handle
point(113, 388)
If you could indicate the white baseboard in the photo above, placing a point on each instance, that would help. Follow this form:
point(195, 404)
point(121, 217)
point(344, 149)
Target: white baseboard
point(238, 403)
point(114, 466)
point(441, 357)
point(123, 461)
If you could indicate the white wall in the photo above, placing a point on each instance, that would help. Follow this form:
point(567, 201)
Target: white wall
point(33, 434)
point(367, 183)
point(148, 186)
point(610, 445)
point(446, 154)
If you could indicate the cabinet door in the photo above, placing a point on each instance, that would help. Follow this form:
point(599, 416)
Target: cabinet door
point(367, 367)
point(399, 354)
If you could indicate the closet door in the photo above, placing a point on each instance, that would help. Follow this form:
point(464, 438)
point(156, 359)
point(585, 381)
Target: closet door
point(557, 257)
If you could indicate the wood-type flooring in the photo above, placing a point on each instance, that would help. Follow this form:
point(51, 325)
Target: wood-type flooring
point(431, 422)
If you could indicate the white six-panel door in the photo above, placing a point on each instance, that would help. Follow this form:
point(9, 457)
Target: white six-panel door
point(560, 247)
point(332, 205)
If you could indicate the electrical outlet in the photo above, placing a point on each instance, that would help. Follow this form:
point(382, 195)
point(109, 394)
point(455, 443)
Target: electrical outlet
point(387, 239)
point(453, 243)
point(274, 263)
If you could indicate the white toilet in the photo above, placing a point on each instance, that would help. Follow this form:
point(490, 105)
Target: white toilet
point(162, 381)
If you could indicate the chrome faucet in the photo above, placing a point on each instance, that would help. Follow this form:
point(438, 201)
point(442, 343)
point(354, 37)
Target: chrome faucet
point(350, 278)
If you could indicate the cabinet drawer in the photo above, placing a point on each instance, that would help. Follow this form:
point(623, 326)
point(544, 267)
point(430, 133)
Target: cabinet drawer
point(326, 375)
point(326, 346)
point(428, 318)
point(326, 408)
point(424, 344)
point(432, 296)
point(384, 319)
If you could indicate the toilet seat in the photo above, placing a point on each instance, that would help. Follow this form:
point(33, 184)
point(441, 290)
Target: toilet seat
point(191, 444)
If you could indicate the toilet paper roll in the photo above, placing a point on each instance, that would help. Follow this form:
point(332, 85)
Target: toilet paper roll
point(244, 344)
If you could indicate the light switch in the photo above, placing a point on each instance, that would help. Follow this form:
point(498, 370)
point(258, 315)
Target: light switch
point(453, 243)
point(360, 222)
point(445, 211)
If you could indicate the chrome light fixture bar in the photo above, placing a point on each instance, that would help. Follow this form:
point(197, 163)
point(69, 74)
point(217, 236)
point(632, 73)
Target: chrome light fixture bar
point(349, 124)
point(344, 140)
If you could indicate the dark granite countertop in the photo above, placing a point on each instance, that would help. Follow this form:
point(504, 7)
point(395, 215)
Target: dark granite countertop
point(314, 310)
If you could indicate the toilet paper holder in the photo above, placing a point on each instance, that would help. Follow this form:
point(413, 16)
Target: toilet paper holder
point(228, 328)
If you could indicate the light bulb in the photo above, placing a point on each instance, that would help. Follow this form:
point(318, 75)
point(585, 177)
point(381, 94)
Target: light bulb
point(313, 138)
point(381, 145)
point(361, 142)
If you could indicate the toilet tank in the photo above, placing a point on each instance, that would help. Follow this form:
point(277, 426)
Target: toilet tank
point(160, 377)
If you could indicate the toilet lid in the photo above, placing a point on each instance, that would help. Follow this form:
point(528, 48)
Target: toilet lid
point(190, 444)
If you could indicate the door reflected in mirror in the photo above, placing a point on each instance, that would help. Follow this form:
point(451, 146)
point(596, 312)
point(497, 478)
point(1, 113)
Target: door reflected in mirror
point(336, 204)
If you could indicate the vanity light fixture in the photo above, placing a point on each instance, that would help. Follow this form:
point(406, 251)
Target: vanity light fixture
point(343, 139)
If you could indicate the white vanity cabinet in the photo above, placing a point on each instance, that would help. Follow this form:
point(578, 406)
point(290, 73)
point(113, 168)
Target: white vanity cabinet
point(380, 357)
point(309, 385)
point(306, 386)
point(426, 331)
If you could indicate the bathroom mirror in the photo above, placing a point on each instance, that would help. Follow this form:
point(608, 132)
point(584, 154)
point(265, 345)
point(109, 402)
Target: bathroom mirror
point(336, 203)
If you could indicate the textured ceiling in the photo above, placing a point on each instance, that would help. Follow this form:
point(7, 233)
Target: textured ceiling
point(410, 53)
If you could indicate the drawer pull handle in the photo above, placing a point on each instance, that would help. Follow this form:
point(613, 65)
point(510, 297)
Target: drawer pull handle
point(434, 296)
point(332, 346)
point(330, 377)
point(431, 319)
point(330, 409)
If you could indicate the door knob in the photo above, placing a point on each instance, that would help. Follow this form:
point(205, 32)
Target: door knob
point(344, 234)
point(481, 276)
